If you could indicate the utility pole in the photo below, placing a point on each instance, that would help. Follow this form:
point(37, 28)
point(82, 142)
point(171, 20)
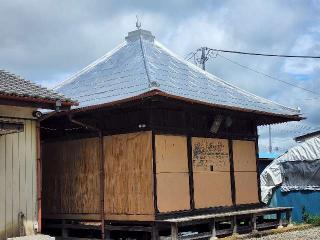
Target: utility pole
point(270, 143)
point(204, 57)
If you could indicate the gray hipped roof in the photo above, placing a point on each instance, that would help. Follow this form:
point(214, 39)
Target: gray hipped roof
point(141, 64)
point(12, 85)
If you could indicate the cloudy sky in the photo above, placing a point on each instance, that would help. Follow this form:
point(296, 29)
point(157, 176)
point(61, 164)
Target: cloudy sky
point(47, 41)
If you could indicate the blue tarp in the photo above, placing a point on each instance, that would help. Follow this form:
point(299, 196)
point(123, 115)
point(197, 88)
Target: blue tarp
point(310, 200)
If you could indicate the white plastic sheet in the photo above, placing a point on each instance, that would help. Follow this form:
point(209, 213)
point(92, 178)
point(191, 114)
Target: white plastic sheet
point(298, 169)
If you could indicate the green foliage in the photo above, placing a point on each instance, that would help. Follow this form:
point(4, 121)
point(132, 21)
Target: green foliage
point(309, 219)
point(314, 220)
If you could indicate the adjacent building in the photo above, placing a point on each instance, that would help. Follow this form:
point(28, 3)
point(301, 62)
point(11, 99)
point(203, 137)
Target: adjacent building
point(20, 166)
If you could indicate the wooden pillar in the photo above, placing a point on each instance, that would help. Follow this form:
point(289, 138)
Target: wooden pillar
point(155, 232)
point(190, 170)
point(39, 178)
point(102, 178)
point(213, 230)
point(174, 231)
point(279, 220)
point(289, 217)
point(234, 224)
point(64, 230)
point(107, 234)
point(254, 223)
point(232, 177)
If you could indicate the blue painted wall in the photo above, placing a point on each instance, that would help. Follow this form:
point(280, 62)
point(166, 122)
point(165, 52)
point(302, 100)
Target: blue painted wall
point(298, 199)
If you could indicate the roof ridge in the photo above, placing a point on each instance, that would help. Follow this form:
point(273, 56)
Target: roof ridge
point(144, 60)
point(215, 78)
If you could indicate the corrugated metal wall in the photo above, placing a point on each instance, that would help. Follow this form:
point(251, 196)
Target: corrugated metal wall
point(18, 180)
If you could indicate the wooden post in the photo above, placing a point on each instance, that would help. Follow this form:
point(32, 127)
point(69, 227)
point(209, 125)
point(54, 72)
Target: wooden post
point(213, 230)
point(64, 230)
point(39, 178)
point(107, 234)
point(279, 220)
point(155, 232)
point(254, 223)
point(234, 224)
point(102, 178)
point(174, 231)
point(232, 176)
point(289, 217)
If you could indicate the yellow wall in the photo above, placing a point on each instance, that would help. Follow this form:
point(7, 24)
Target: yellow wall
point(18, 188)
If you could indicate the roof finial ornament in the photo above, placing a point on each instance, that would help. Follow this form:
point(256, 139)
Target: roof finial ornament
point(138, 23)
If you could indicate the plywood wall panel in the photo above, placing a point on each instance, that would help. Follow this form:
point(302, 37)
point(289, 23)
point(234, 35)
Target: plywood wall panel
point(129, 175)
point(211, 172)
point(210, 154)
point(246, 187)
point(244, 156)
point(171, 153)
point(172, 173)
point(173, 192)
point(212, 189)
point(246, 182)
point(71, 182)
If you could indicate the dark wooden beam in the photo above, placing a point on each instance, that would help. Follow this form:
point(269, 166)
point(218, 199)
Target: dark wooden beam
point(190, 167)
point(232, 177)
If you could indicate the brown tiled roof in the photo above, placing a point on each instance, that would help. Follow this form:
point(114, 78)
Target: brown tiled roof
point(16, 86)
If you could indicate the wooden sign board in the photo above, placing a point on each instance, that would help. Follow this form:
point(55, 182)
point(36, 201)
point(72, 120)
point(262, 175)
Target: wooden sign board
point(210, 154)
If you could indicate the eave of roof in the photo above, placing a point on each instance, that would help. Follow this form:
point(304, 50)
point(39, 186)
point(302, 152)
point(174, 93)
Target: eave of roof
point(33, 101)
point(157, 92)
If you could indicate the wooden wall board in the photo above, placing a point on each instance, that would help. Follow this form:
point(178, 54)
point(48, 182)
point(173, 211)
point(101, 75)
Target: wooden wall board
point(246, 187)
point(2, 187)
point(16, 112)
point(210, 154)
point(212, 189)
point(30, 215)
point(128, 174)
point(22, 166)
point(173, 192)
point(15, 183)
point(9, 193)
point(71, 181)
point(244, 156)
point(130, 217)
point(171, 153)
point(17, 193)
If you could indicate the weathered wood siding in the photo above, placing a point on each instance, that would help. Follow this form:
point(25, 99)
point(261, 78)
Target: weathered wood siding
point(129, 177)
point(71, 183)
point(18, 188)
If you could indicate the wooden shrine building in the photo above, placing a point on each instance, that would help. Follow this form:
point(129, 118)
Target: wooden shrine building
point(156, 144)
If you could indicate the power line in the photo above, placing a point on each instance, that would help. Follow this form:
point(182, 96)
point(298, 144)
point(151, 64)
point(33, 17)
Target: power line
point(267, 75)
point(263, 54)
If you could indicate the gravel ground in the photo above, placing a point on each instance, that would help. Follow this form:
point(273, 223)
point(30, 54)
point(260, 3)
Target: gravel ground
point(308, 234)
